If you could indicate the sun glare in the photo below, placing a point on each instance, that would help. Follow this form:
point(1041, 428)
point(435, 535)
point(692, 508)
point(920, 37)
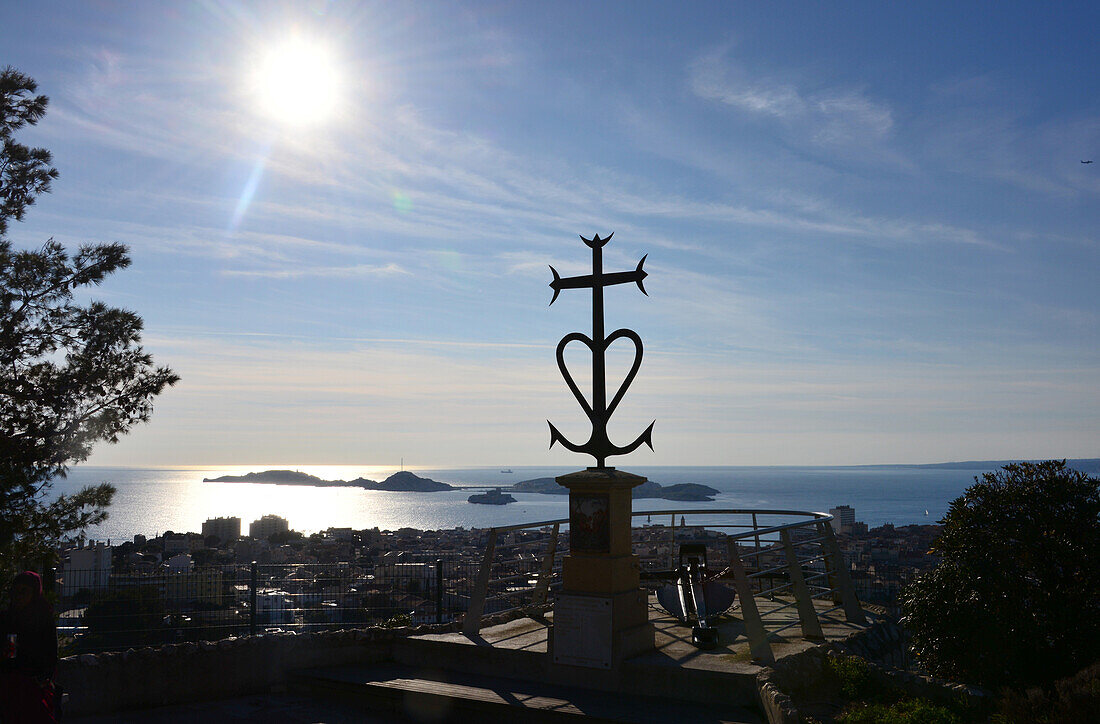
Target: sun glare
point(298, 83)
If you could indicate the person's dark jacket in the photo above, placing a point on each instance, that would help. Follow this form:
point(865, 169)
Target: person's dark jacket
point(34, 625)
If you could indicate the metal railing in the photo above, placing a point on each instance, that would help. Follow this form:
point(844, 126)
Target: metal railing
point(519, 565)
point(106, 609)
point(772, 555)
point(767, 554)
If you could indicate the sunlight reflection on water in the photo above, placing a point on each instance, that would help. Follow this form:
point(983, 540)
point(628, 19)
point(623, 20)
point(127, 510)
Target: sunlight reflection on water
point(153, 500)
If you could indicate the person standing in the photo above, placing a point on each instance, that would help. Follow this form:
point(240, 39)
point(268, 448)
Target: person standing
point(28, 635)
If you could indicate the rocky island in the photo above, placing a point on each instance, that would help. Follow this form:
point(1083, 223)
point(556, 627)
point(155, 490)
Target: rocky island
point(494, 497)
point(403, 481)
point(648, 489)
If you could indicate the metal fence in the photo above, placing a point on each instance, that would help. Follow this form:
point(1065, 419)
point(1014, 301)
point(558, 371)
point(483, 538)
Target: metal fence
point(788, 557)
point(520, 565)
point(104, 610)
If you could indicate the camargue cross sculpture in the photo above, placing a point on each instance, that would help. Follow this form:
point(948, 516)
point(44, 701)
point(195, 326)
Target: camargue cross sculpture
point(599, 412)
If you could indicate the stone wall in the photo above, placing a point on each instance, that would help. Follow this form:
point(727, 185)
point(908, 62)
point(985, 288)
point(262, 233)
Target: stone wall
point(207, 670)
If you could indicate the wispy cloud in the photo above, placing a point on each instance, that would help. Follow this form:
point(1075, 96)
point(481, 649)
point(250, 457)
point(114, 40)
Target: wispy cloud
point(990, 128)
point(832, 115)
point(356, 401)
point(357, 270)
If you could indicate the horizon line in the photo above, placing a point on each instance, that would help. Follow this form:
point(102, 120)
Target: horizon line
point(292, 466)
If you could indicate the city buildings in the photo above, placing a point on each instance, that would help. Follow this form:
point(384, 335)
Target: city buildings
point(844, 516)
point(87, 567)
point(226, 529)
point(267, 526)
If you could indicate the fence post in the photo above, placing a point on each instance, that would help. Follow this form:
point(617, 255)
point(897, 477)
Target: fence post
point(547, 570)
point(750, 614)
point(439, 590)
point(252, 582)
point(807, 614)
point(672, 544)
point(831, 568)
point(472, 623)
point(852, 610)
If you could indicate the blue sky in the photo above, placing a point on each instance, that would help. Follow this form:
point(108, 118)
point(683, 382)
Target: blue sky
point(870, 236)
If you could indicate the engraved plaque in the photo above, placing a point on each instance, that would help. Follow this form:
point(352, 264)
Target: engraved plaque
point(582, 631)
point(589, 522)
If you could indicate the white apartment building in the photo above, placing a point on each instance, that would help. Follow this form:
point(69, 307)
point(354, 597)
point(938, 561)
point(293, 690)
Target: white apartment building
point(179, 563)
point(86, 567)
point(843, 518)
point(226, 529)
point(268, 525)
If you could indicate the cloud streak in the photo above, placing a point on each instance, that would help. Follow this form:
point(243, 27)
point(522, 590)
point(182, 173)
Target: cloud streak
point(833, 116)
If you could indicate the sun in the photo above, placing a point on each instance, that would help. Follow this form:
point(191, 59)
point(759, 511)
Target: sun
point(297, 82)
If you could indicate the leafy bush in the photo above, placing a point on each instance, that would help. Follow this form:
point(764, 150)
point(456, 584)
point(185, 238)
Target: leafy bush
point(129, 617)
point(398, 621)
point(1016, 599)
point(852, 678)
point(908, 711)
point(1072, 700)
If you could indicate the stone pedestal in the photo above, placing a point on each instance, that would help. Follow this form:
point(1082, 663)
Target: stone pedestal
point(602, 609)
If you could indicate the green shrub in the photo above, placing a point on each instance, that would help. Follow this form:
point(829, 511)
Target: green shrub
point(852, 678)
point(1015, 600)
point(908, 711)
point(401, 619)
point(1071, 700)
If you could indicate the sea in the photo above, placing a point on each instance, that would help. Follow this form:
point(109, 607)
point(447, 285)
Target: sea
point(151, 501)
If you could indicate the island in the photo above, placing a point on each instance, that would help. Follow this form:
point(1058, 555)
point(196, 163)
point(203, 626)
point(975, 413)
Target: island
point(276, 477)
point(403, 481)
point(648, 489)
point(494, 497)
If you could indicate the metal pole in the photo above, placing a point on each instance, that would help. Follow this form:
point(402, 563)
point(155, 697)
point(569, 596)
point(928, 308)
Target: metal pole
point(543, 584)
point(756, 558)
point(852, 610)
point(472, 623)
point(252, 601)
point(807, 614)
point(672, 544)
point(599, 378)
point(439, 590)
point(750, 614)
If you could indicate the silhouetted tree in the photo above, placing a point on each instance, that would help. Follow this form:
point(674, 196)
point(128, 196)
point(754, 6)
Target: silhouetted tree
point(1016, 597)
point(24, 172)
point(70, 375)
point(120, 619)
point(286, 537)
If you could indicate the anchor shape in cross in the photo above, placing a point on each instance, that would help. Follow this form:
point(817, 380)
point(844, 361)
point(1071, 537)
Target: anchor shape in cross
point(599, 412)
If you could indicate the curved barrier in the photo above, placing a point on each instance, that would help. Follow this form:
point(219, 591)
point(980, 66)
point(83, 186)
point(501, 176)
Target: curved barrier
point(764, 553)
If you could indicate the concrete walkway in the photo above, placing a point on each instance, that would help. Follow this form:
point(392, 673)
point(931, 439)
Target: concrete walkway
point(507, 667)
point(268, 709)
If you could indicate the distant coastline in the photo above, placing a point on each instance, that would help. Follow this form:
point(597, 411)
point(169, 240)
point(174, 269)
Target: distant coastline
point(648, 489)
point(406, 481)
point(403, 481)
point(175, 498)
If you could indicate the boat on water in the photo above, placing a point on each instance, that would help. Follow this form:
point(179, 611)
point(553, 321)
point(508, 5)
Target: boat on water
point(496, 496)
point(506, 471)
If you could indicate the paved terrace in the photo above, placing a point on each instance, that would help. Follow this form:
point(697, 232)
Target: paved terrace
point(503, 673)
